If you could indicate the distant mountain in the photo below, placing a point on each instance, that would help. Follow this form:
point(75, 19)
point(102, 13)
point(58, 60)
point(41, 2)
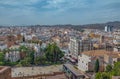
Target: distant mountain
point(115, 24)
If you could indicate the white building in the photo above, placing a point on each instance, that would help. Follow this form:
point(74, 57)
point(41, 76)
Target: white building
point(29, 44)
point(116, 41)
point(38, 51)
point(86, 61)
point(83, 61)
point(12, 56)
point(108, 28)
point(28, 37)
point(3, 46)
point(117, 49)
point(116, 35)
point(74, 46)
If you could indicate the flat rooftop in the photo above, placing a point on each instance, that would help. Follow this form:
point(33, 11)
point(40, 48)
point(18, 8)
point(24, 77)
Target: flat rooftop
point(98, 52)
point(35, 70)
point(113, 55)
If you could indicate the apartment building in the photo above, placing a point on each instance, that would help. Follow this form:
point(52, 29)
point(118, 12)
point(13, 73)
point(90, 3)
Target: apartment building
point(116, 35)
point(111, 58)
point(78, 45)
point(116, 41)
point(74, 46)
point(86, 61)
point(13, 56)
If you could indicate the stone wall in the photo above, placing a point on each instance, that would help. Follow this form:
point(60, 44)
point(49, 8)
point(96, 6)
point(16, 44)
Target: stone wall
point(5, 73)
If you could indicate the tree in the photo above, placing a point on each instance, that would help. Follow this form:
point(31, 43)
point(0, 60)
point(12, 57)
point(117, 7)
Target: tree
point(23, 39)
point(24, 51)
point(103, 75)
point(32, 57)
point(116, 69)
point(23, 48)
point(96, 69)
point(2, 58)
point(108, 68)
point(25, 62)
point(53, 53)
point(27, 56)
point(82, 30)
point(37, 61)
point(98, 75)
point(40, 60)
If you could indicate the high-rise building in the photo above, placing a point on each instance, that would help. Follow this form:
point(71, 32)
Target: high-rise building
point(108, 28)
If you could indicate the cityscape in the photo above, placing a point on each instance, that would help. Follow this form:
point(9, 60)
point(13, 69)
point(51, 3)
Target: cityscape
point(59, 39)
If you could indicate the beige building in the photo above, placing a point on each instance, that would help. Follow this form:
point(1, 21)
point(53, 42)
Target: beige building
point(86, 61)
point(111, 58)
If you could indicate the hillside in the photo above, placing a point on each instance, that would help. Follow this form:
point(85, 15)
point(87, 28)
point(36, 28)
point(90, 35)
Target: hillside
point(115, 24)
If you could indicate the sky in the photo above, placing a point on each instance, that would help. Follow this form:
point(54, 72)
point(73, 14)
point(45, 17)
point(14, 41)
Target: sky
point(51, 12)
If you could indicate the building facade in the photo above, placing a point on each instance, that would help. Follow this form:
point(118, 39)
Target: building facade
point(111, 58)
point(108, 28)
point(86, 61)
point(74, 46)
point(116, 41)
point(72, 73)
point(116, 35)
point(78, 45)
point(12, 56)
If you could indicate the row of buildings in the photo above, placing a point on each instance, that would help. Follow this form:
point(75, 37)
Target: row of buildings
point(104, 46)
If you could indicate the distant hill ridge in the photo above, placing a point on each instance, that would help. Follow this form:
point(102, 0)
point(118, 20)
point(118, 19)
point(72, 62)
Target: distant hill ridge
point(115, 24)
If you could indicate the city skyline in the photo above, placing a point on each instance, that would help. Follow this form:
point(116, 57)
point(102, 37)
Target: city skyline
point(32, 12)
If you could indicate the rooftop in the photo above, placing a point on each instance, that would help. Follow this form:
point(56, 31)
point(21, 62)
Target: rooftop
point(73, 70)
point(98, 52)
point(36, 70)
point(114, 55)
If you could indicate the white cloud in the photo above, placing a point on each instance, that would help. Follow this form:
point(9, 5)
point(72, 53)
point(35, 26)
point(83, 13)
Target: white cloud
point(65, 4)
point(18, 2)
point(55, 11)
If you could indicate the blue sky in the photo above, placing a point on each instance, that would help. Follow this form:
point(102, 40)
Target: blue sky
point(27, 12)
